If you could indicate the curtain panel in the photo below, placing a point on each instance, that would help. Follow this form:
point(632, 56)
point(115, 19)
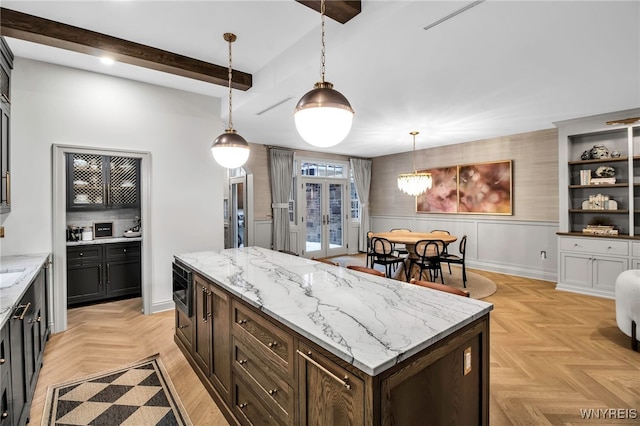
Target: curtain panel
point(281, 164)
point(362, 178)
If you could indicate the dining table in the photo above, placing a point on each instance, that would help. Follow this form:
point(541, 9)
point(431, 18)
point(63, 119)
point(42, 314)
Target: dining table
point(409, 239)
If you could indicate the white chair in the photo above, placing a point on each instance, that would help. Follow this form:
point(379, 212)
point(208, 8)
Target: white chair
point(628, 305)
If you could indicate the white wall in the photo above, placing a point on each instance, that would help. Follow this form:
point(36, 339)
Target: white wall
point(59, 105)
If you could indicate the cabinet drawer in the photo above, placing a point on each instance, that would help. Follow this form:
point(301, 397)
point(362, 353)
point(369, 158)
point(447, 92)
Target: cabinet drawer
point(123, 250)
point(184, 329)
point(270, 386)
point(595, 246)
point(89, 252)
point(635, 249)
point(273, 342)
point(248, 407)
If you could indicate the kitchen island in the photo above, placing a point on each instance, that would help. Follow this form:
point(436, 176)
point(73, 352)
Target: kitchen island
point(279, 339)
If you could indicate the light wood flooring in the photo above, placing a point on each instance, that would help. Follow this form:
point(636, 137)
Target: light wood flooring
point(552, 354)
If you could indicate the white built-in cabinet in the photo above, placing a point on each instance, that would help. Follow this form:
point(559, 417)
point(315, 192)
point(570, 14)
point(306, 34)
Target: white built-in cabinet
point(590, 264)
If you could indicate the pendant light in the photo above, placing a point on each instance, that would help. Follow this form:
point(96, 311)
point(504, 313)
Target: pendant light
point(414, 183)
point(323, 115)
point(230, 149)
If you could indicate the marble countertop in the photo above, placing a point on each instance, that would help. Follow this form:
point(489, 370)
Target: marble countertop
point(10, 296)
point(371, 322)
point(104, 241)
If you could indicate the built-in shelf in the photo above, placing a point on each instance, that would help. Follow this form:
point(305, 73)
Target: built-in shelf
point(607, 185)
point(600, 160)
point(582, 234)
point(595, 211)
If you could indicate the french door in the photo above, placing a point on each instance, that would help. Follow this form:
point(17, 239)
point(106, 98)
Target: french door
point(325, 216)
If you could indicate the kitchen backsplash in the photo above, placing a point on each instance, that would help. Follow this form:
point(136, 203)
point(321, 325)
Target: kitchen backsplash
point(122, 219)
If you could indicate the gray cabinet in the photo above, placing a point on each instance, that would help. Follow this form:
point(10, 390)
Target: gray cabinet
point(590, 263)
point(103, 271)
point(22, 345)
point(6, 64)
point(97, 182)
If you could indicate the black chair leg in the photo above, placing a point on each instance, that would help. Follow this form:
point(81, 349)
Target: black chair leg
point(464, 276)
point(441, 273)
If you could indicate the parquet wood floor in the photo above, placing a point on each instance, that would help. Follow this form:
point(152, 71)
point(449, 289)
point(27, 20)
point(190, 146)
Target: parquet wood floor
point(553, 354)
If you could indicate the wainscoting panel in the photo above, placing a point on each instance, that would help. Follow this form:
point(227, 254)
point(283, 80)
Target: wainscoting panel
point(510, 247)
point(262, 233)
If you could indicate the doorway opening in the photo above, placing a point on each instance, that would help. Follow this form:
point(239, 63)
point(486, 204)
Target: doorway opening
point(61, 180)
point(325, 208)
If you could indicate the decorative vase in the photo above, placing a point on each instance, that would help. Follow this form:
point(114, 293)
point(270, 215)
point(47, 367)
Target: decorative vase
point(599, 151)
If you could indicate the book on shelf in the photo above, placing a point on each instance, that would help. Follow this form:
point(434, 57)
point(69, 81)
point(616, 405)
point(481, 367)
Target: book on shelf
point(600, 230)
point(603, 181)
point(585, 177)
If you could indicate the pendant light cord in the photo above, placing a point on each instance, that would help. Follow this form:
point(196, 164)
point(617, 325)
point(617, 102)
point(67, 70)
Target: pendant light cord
point(414, 151)
point(322, 9)
point(230, 40)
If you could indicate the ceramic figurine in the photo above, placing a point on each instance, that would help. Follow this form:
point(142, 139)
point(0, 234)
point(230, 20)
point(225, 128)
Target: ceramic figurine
point(615, 154)
point(586, 155)
point(605, 171)
point(599, 151)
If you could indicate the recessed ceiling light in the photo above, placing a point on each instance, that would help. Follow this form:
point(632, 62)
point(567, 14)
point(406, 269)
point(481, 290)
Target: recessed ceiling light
point(106, 60)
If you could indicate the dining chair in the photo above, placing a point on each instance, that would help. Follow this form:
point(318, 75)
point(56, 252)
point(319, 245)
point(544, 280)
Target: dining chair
point(383, 255)
point(323, 260)
point(400, 249)
point(442, 231)
point(366, 270)
point(369, 249)
point(428, 257)
point(440, 287)
point(460, 260)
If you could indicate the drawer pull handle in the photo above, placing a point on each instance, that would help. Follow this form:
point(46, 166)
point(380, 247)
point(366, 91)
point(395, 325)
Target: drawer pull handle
point(242, 321)
point(273, 391)
point(81, 254)
point(244, 404)
point(4, 415)
point(272, 344)
point(125, 250)
point(2, 361)
point(344, 382)
point(183, 326)
point(25, 308)
point(242, 361)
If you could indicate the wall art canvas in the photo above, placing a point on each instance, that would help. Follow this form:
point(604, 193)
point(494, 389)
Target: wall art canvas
point(443, 195)
point(485, 188)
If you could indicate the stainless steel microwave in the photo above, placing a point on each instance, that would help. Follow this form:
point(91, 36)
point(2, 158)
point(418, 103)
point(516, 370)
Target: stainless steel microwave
point(182, 289)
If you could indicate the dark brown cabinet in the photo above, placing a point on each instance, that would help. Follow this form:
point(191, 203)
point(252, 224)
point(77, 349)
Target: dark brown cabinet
point(327, 393)
point(6, 64)
point(278, 377)
point(98, 182)
point(22, 345)
point(211, 345)
point(103, 271)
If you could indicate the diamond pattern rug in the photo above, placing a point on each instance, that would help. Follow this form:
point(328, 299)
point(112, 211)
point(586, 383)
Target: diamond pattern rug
point(138, 394)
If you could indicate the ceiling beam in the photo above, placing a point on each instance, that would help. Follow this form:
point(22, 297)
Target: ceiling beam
point(51, 33)
point(338, 10)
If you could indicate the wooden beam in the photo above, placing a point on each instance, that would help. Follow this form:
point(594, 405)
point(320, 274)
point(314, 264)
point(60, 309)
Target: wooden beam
point(51, 33)
point(338, 10)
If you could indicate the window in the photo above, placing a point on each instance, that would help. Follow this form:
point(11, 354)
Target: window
point(292, 202)
point(355, 202)
point(322, 170)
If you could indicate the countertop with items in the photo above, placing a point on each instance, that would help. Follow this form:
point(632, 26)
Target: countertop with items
point(109, 240)
point(16, 273)
point(371, 322)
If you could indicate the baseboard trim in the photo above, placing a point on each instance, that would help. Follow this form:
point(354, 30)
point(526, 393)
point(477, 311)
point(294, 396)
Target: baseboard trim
point(165, 305)
point(585, 291)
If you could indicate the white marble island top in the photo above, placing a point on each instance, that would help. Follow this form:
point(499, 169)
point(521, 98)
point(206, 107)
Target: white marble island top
point(26, 268)
point(371, 322)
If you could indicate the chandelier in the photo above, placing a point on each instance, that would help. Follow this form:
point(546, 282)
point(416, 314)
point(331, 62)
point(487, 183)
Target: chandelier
point(323, 115)
point(414, 183)
point(230, 150)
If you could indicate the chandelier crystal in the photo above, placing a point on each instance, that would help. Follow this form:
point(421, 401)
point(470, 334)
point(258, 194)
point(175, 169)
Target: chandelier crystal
point(230, 150)
point(414, 183)
point(323, 116)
